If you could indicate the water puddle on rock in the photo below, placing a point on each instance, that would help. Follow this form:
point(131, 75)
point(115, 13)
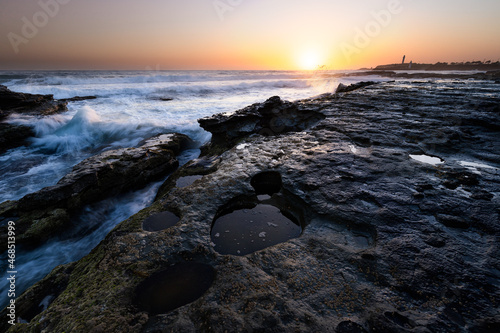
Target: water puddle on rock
point(427, 159)
point(160, 221)
point(187, 180)
point(174, 287)
point(251, 229)
point(252, 223)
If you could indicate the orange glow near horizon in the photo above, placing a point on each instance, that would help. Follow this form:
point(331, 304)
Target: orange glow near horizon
point(248, 35)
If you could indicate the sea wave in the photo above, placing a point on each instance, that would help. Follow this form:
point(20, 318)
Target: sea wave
point(124, 77)
point(185, 90)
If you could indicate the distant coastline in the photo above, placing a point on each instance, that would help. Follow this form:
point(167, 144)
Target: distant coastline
point(442, 66)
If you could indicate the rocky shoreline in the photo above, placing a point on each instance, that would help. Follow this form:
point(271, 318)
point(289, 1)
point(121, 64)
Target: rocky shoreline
point(443, 66)
point(47, 212)
point(493, 75)
point(388, 244)
point(13, 136)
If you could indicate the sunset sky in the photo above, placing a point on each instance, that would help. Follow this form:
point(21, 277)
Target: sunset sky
point(244, 34)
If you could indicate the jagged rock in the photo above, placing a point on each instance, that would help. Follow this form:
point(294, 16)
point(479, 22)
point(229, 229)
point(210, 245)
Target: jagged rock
point(14, 102)
point(272, 117)
point(12, 136)
point(77, 98)
point(373, 256)
point(42, 213)
point(342, 88)
point(164, 99)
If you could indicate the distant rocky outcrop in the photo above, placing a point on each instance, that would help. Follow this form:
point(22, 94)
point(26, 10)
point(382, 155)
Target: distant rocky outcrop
point(443, 66)
point(490, 75)
point(46, 212)
point(77, 98)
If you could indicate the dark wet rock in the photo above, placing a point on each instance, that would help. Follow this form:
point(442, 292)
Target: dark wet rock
point(452, 221)
point(342, 88)
point(272, 117)
point(373, 256)
point(187, 180)
point(109, 173)
point(160, 221)
point(41, 214)
point(177, 285)
point(482, 195)
point(192, 170)
point(268, 182)
point(349, 327)
point(39, 297)
point(38, 105)
point(77, 98)
point(12, 136)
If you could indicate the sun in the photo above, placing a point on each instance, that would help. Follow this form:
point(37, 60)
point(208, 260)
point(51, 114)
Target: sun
point(309, 60)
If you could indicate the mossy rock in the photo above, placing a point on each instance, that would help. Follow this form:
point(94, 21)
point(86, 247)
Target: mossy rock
point(46, 227)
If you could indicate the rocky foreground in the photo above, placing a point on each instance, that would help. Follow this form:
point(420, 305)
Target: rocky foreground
point(389, 243)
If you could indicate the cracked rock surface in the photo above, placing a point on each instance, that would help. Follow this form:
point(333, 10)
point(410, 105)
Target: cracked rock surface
point(390, 243)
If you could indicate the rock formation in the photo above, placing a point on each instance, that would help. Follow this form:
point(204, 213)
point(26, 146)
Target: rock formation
point(47, 212)
point(14, 102)
point(390, 243)
point(12, 136)
point(272, 117)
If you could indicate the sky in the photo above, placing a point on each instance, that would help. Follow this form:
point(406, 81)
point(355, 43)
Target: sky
point(244, 34)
